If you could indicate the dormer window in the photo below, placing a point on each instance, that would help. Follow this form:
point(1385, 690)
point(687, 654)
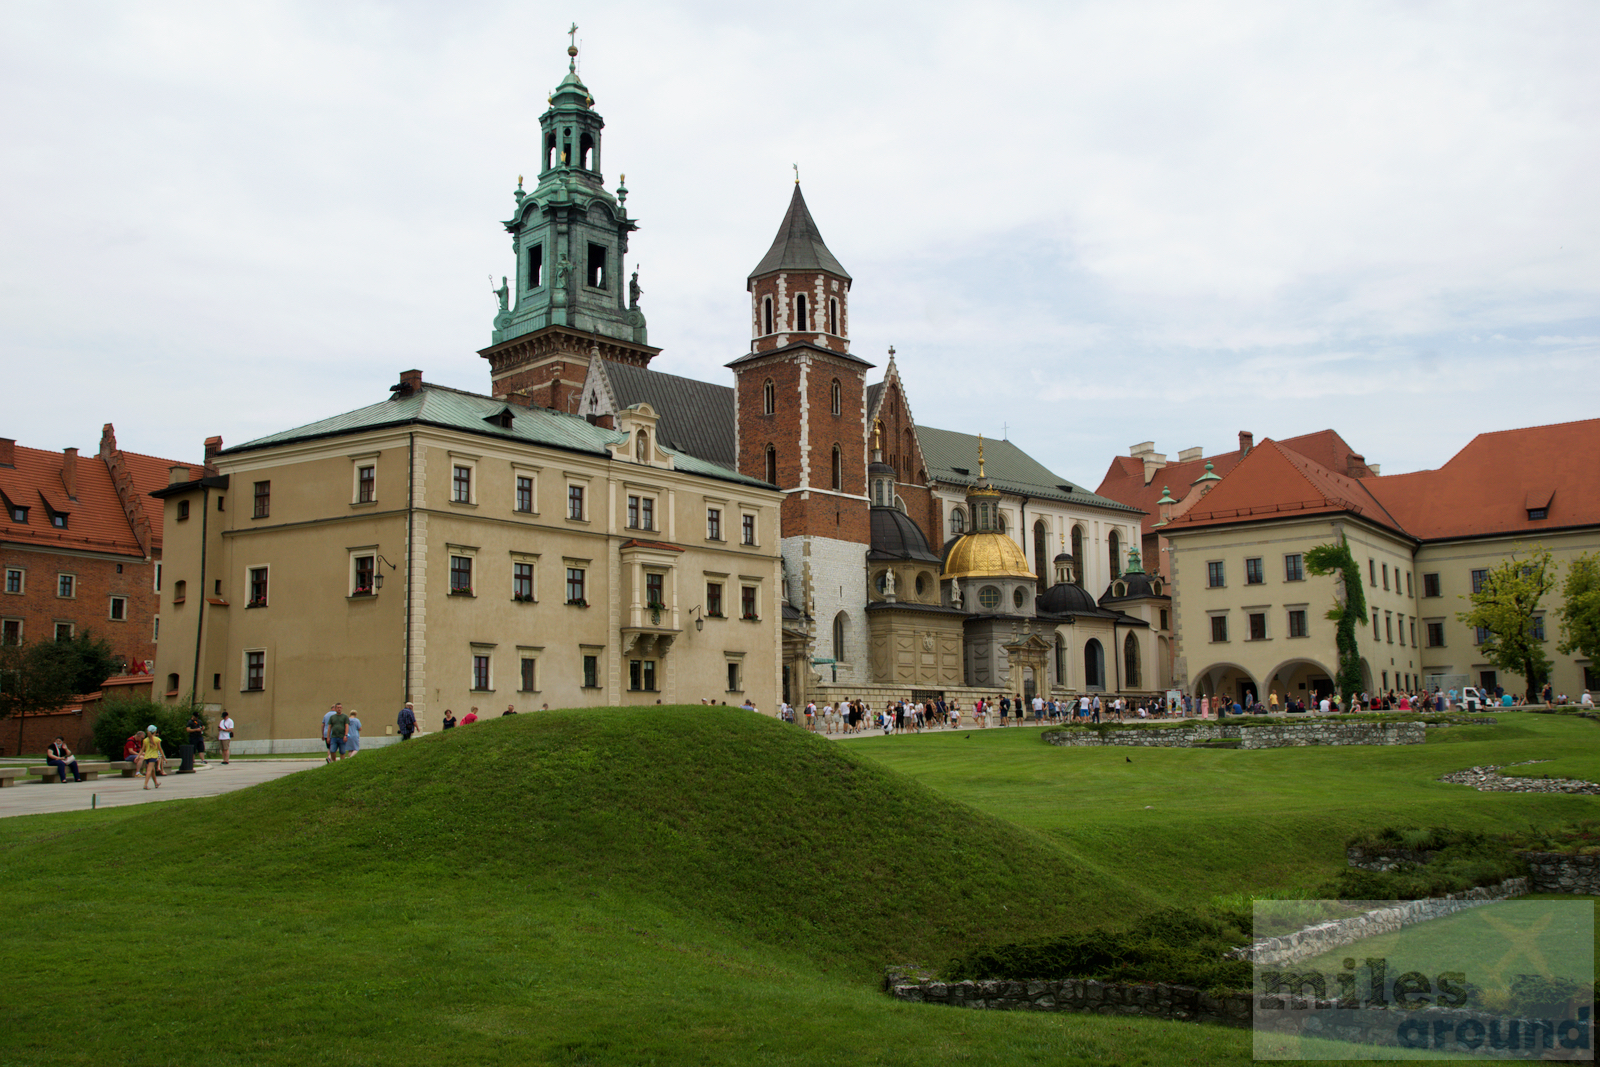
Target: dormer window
point(58, 519)
point(1538, 513)
point(1538, 503)
point(18, 513)
point(501, 418)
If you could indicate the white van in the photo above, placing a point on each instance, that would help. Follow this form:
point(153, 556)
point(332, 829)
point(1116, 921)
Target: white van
point(1472, 699)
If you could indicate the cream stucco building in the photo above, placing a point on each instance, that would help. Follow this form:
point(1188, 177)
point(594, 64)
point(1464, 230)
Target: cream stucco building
point(456, 550)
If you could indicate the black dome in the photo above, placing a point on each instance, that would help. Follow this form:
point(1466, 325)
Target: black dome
point(879, 468)
point(1064, 597)
point(1136, 585)
point(896, 536)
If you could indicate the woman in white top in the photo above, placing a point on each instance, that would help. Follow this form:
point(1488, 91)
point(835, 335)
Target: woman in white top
point(225, 735)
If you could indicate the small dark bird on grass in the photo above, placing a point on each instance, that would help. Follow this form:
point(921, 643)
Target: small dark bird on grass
point(1125, 759)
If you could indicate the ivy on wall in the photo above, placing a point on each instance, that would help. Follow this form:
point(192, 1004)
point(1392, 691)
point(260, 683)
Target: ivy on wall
point(1349, 608)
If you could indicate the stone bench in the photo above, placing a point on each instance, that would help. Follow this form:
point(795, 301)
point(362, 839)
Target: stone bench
point(90, 771)
point(9, 775)
point(127, 767)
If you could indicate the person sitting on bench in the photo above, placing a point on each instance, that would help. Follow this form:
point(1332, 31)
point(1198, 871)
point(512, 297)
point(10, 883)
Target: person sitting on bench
point(59, 756)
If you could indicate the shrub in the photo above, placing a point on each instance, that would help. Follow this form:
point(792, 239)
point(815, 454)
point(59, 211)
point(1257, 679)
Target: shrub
point(1456, 860)
point(120, 718)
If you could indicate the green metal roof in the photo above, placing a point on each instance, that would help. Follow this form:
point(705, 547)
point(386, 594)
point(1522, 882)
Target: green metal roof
point(453, 409)
point(953, 459)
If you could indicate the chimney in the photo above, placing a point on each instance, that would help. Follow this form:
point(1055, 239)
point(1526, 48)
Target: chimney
point(1247, 441)
point(410, 384)
point(69, 472)
point(1355, 465)
point(213, 446)
point(108, 441)
point(8, 452)
point(1189, 455)
point(1153, 461)
point(178, 475)
point(1141, 449)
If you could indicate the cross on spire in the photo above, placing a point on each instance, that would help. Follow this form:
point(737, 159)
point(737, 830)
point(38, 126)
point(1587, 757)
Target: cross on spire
point(572, 49)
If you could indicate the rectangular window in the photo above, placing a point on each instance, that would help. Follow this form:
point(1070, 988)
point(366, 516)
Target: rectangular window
point(1481, 635)
point(747, 601)
point(641, 513)
point(365, 568)
point(21, 514)
point(650, 676)
point(155, 628)
point(66, 584)
point(63, 631)
point(1219, 627)
point(263, 500)
point(1163, 618)
point(654, 590)
point(596, 274)
point(11, 632)
point(258, 587)
point(1385, 576)
point(461, 485)
point(714, 599)
point(1402, 620)
point(1375, 624)
point(747, 528)
point(179, 591)
point(158, 578)
point(1214, 575)
point(713, 524)
point(535, 266)
point(1488, 680)
point(460, 575)
point(13, 580)
point(1254, 573)
point(216, 680)
point(530, 675)
point(1538, 627)
point(183, 511)
point(575, 586)
point(480, 672)
point(366, 484)
point(1408, 583)
point(591, 672)
point(733, 678)
point(522, 581)
point(119, 608)
point(1294, 567)
point(1430, 585)
point(1372, 572)
point(255, 671)
point(575, 502)
point(1258, 626)
point(1413, 625)
point(1479, 577)
point(524, 493)
point(1385, 681)
point(1297, 623)
point(636, 674)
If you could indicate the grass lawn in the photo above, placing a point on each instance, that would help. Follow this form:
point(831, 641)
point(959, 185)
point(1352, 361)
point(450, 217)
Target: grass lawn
point(678, 885)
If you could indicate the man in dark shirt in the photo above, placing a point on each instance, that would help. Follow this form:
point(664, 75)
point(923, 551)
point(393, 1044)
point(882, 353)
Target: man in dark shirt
point(197, 736)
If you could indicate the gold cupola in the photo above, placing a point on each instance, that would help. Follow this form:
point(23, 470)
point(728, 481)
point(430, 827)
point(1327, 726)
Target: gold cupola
point(985, 552)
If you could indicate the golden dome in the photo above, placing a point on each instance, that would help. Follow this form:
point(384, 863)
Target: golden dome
point(986, 555)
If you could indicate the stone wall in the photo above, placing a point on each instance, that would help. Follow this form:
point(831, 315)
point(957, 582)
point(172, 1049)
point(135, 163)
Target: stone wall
point(1323, 937)
point(1273, 735)
point(1563, 872)
point(1156, 1001)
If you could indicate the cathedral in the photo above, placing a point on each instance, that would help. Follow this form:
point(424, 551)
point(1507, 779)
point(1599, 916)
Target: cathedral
point(916, 560)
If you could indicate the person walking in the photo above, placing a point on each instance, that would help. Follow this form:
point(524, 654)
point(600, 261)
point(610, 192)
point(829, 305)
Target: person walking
point(449, 719)
point(326, 718)
point(352, 735)
point(151, 754)
point(225, 736)
point(470, 717)
point(408, 721)
point(338, 734)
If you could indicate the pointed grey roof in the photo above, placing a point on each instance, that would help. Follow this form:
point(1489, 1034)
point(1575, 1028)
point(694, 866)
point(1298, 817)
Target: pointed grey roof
point(798, 245)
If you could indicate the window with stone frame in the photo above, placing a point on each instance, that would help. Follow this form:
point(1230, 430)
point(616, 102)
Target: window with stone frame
point(11, 632)
point(575, 502)
point(591, 672)
point(576, 581)
point(1219, 628)
point(1215, 577)
point(1258, 626)
point(263, 500)
point(524, 493)
point(713, 524)
point(521, 581)
point(747, 601)
point(1294, 567)
point(714, 600)
point(1254, 572)
point(255, 671)
point(747, 529)
point(366, 484)
point(14, 579)
point(481, 676)
point(460, 575)
point(655, 584)
point(258, 587)
point(1297, 623)
point(836, 393)
point(461, 484)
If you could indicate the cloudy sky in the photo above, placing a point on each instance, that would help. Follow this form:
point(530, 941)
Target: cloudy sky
point(1083, 225)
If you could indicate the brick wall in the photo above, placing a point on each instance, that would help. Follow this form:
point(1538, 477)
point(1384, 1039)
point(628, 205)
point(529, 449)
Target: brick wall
point(96, 581)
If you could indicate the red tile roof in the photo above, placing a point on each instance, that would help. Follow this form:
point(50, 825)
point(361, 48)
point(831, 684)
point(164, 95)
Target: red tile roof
point(1276, 481)
point(1124, 481)
point(1488, 487)
point(96, 521)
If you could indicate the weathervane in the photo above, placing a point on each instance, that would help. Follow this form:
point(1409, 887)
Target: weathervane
point(980, 455)
point(797, 174)
point(572, 49)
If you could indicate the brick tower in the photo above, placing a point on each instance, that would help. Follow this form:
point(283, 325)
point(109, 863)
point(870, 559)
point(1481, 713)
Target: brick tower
point(802, 406)
point(570, 299)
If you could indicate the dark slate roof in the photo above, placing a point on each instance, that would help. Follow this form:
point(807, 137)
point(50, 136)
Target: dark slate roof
point(895, 535)
point(874, 391)
point(696, 417)
point(793, 346)
point(453, 409)
point(1139, 586)
point(798, 245)
point(1065, 598)
point(1012, 470)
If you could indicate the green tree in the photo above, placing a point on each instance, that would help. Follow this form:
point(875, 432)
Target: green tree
point(1580, 608)
point(1505, 606)
point(1349, 609)
point(87, 660)
point(33, 678)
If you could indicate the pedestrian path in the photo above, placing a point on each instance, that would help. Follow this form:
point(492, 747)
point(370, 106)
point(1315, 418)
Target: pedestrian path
point(208, 780)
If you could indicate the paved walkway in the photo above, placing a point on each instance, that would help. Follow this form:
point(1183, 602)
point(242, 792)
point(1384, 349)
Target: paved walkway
point(32, 797)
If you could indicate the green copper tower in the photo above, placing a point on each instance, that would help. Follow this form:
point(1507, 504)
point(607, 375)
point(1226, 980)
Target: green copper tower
point(570, 297)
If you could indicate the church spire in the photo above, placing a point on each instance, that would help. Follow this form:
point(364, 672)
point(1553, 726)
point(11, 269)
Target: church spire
point(799, 245)
point(799, 292)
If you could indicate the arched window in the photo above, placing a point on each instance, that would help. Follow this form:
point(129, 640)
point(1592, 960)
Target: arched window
point(1094, 665)
point(549, 151)
point(641, 446)
point(911, 454)
point(837, 394)
point(586, 152)
point(841, 623)
point(1115, 543)
point(1061, 660)
point(772, 465)
point(833, 315)
point(1077, 555)
point(769, 398)
point(800, 312)
point(838, 469)
point(1130, 663)
point(958, 522)
point(1041, 551)
point(766, 314)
